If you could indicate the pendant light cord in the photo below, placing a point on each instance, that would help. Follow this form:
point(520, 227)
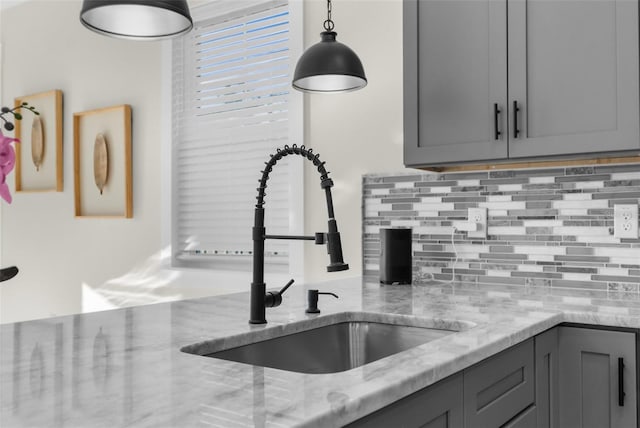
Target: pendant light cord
point(328, 24)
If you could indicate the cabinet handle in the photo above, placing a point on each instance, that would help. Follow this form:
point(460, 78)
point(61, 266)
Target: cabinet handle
point(621, 393)
point(516, 131)
point(496, 115)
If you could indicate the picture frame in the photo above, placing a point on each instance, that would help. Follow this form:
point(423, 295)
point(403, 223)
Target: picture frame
point(102, 163)
point(39, 156)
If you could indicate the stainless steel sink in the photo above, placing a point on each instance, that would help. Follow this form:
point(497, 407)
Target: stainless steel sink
point(336, 347)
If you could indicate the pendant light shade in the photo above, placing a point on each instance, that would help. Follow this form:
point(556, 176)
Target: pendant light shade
point(137, 19)
point(329, 66)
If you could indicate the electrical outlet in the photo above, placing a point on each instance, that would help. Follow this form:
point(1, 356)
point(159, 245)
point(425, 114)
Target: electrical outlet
point(478, 216)
point(625, 221)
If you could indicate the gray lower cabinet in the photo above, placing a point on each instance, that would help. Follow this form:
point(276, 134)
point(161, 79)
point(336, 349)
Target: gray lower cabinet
point(496, 391)
point(565, 377)
point(597, 378)
point(499, 388)
point(519, 79)
point(438, 406)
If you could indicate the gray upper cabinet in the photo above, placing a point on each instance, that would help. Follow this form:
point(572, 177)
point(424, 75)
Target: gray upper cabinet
point(573, 73)
point(517, 79)
point(455, 72)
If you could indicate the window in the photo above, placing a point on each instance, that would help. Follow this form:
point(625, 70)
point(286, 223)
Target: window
point(233, 105)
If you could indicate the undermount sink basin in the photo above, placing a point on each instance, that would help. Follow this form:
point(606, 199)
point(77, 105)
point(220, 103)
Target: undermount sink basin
point(350, 340)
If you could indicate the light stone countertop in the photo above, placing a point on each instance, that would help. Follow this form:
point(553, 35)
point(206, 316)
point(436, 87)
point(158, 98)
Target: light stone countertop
point(125, 367)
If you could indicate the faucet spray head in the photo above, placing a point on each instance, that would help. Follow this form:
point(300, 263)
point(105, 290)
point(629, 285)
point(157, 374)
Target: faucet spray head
point(334, 249)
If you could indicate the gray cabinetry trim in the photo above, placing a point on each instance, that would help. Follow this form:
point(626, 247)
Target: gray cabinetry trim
point(547, 394)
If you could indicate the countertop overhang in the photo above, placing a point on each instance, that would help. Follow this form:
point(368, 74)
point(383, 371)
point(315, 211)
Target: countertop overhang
point(125, 367)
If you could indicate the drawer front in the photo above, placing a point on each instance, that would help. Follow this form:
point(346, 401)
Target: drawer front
point(499, 388)
point(526, 419)
point(437, 406)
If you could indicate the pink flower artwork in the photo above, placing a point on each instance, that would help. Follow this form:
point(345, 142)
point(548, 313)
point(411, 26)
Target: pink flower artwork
point(7, 162)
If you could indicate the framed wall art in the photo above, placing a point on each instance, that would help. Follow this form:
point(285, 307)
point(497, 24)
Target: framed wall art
point(102, 162)
point(39, 153)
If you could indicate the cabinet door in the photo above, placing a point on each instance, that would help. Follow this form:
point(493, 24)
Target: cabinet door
point(573, 73)
point(455, 71)
point(547, 383)
point(499, 388)
point(589, 386)
point(438, 406)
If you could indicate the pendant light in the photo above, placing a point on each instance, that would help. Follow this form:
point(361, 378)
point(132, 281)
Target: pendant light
point(137, 19)
point(329, 66)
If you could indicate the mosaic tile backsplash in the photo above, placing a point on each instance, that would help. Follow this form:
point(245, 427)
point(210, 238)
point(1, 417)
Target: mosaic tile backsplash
point(546, 227)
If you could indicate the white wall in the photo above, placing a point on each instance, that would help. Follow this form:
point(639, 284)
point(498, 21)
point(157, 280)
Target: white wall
point(358, 132)
point(45, 47)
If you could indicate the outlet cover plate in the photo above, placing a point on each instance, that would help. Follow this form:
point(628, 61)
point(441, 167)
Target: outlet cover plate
point(478, 216)
point(625, 221)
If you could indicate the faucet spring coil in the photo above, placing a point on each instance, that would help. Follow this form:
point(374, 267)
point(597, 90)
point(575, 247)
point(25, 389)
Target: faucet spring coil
point(291, 150)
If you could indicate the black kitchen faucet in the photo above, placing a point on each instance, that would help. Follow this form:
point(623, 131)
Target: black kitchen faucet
point(260, 298)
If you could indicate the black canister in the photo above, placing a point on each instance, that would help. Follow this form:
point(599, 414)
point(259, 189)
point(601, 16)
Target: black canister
point(395, 256)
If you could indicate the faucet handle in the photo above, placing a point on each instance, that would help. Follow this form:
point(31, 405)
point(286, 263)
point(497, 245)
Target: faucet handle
point(312, 298)
point(274, 298)
point(287, 285)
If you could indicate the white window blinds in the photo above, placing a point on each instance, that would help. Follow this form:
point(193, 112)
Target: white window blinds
point(231, 92)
